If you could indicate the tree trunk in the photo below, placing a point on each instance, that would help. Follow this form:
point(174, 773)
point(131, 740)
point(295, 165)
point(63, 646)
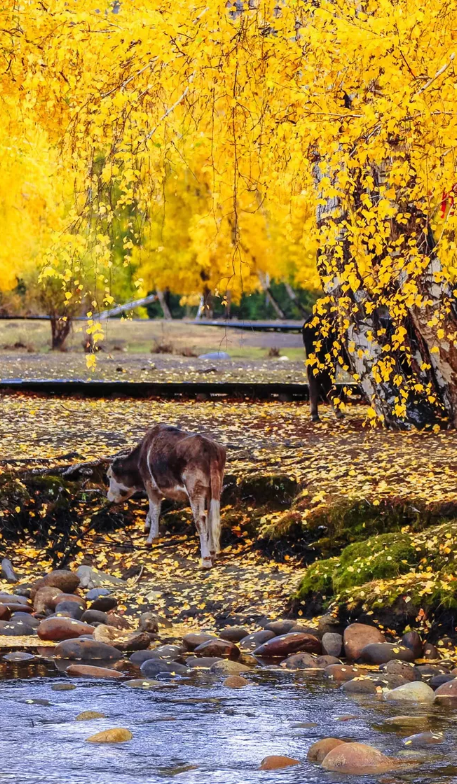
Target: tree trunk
point(264, 282)
point(399, 381)
point(60, 329)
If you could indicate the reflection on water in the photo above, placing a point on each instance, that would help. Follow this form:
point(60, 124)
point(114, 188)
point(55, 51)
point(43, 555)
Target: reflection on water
point(200, 732)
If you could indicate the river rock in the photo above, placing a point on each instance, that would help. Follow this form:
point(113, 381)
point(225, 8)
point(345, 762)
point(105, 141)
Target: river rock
point(44, 596)
point(301, 661)
point(13, 597)
point(319, 750)
point(7, 571)
point(413, 641)
point(357, 636)
point(447, 690)
point(26, 618)
point(192, 640)
point(92, 578)
point(104, 603)
point(302, 629)
point(168, 652)
point(286, 644)
point(152, 667)
point(234, 633)
point(115, 735)
point(342, 672)
point(89, 671)
point(279, 628)
point(16, 629)
point(360, 685)
point(439, 680)
point(431, 652)
point(423, 740)
point(236, 682)
point(16, 607)
point(382, 652)
point(96, 593)
point(325, 661)
point(275, 762)
point(94, 617)
point(138, 657)
point(86, 650)
point(18, 657)
point(229, 667)
point(89, 715)
point(411, 692)
point(202, 662)
point(408, 721)
point(65, 597)
point(219, 648)
point(67, 581)
point(329, 624)
point(142, 683)
point(149, 622)
point(252, 641)
point(357, 759)
point(390, 682)
point(118, 622)
point(69, 610)
point(332, 644)
point(5, 612)
point(58, 629)
point(137, 641)
point(429, 671)
point(406, 670)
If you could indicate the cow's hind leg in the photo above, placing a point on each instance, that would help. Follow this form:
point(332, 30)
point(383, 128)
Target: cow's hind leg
point(200, 513)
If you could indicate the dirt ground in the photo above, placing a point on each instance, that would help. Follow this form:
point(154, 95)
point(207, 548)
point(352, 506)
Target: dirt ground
point(331, 460)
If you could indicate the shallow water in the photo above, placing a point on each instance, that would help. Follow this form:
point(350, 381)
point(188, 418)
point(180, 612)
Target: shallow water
point(199, 731)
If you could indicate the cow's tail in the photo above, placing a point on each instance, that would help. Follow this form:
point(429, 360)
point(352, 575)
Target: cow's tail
point(216, 479)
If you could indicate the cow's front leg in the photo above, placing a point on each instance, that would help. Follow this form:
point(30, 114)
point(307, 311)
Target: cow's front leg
point(201, 523)
point(152, 519)
point(314, 389)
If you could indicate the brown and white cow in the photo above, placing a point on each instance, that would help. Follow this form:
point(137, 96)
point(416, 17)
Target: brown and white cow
point(170, 463)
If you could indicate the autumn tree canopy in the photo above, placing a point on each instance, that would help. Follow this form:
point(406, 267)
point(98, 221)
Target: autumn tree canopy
point(312, 140)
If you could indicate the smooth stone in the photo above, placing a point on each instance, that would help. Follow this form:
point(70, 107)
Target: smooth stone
point(417, 691)
point(169, 652)
point(5, 612)
point(23, 617)
point(424, 739)
point(218, 648)
point(325, 661)
point(360, 685)
point(142, 683)
point(16, 629)
point(115, 735)
point(104, 603)
point(438, 680)
point(138, 657)
point(390, 682)
point(137, 641)
point(328, 623)
point(86, 650)
point(153, 667)
point(447, 690)
point(94, 616)
point(89, 671)
point(70, 610)
point(96, 593)
point(332, 644)
point(275, 762)
point(279, 628)
point(381, 653)
point(7, 571)
point(14, 607)
point(229, 667)
point(252, 641)
point(286, 644)
point(13, 597)
point(192, 640)
point(357, 759)
point(406, 670)
point(431, 652)
point(236, 682)
point(408, 721)
point(58, 629)
point(67, 581)
point(201, 662)
point(413, 641)
point(149, 623)
point(319, 750)
point(300, 661)
point(63, 687)
point(89, 715)
point(44, 596)
point(66, 597)
point(18, 657)
point(428, 671)
point(342, 672)
point(93, 578)
point(233, 633)
point(357, 636)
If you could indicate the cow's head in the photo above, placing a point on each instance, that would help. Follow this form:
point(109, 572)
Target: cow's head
point(122, 484)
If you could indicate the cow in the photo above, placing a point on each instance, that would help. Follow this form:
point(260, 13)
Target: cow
point(171, 463)
point(320, 384)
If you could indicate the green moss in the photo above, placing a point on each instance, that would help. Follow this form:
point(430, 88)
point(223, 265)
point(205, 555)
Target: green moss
point(318, 579)
point(379, 557)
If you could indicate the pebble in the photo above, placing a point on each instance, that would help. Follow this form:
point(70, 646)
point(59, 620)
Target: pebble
point(89, 715)
point(115, 735)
